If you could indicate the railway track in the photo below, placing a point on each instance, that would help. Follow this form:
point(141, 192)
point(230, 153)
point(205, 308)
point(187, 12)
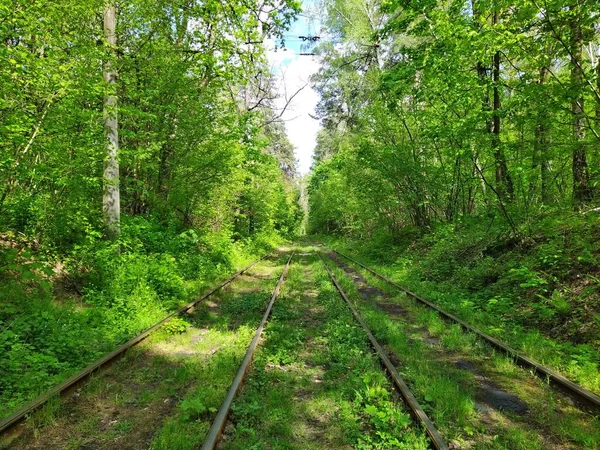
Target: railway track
point(585, 397)
point(216, 429)
point(437, 441)
point(11, 421)
point(213, 437)
point(388, 360)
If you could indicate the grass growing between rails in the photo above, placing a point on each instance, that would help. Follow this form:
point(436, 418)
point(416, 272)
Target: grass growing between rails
point(164, 392)
point(315, 383)
point(60, 313)
point(187, 428)
point(540, 295)
point(477, 397)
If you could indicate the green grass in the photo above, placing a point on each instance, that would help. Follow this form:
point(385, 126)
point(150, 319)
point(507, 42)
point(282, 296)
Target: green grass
point(52, 325)
point(228, 333)
point(167, 388)
point(315, 383)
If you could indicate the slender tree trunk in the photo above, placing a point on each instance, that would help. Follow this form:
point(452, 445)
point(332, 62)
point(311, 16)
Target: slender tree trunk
point(596, 154)
point(453, 195)
point(477, 174)
point(596, 173)
point(541, 157)
point(503, 180)
point(581, 188)
point(482, 73)
point(598, 89)
point(504, 187)
point(164, 170)
point(111, 198)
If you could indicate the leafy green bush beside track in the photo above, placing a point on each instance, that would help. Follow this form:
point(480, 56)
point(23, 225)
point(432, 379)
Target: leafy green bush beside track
point(57, 316)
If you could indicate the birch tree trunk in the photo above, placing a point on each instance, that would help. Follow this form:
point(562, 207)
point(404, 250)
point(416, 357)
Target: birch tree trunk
point(111, 197)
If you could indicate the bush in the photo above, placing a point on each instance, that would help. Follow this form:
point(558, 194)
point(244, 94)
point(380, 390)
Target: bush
point(50, 328)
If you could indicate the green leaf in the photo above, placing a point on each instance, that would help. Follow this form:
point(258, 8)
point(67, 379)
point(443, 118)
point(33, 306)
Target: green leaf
point(371, 410)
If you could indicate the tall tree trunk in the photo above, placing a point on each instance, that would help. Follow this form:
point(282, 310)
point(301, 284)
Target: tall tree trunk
point(581, 188)
point(541, 157)
point(111, 198)
point(482, 73)
point(164, 169)
point(454, 194)
point(596, 154)
point(598, 88)
point(504, 186)
point(503, 180)
point(477, 174)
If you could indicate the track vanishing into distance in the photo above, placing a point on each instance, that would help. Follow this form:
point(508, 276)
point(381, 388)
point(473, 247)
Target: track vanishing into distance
point(584, 396)
point(389, 361)
point(219, 423)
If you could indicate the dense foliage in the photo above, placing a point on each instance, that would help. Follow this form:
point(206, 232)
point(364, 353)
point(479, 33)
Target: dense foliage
point(206, 174)
point(461, 148)
point(436, 111)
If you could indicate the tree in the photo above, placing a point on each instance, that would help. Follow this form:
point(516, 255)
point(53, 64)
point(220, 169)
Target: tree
point(466, 112)
point(581, 178)
point(162, 138)
point(503, 180)
point(111, 205)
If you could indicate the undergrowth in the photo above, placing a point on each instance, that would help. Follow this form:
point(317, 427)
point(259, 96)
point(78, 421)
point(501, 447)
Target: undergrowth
point(452, 396)
point(59, 312)
point(538, 291)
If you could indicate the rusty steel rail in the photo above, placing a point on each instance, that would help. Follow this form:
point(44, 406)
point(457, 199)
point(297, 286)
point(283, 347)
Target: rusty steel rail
point(437, 440)
point(587, 397)
point(214, 434)
point(16, 417)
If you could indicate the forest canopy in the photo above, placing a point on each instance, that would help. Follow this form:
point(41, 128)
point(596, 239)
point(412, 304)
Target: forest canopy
point(438, 111)
point(192, 128)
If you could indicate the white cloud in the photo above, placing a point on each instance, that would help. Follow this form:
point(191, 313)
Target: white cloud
point(294, 71)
